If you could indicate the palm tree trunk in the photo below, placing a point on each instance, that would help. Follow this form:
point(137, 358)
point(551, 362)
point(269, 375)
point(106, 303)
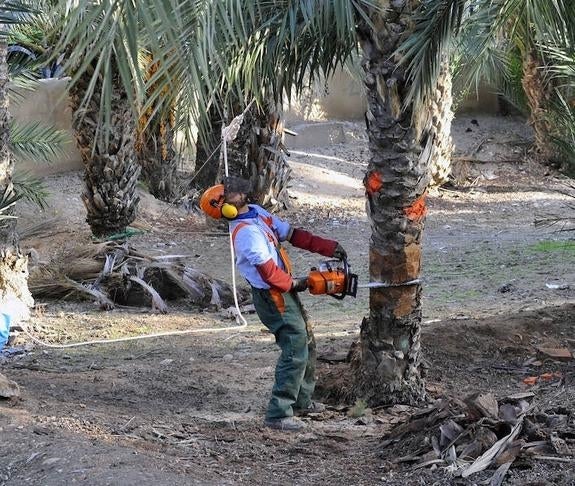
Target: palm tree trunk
point(155, 144)
point(13, 265)
point(402, 146)
point(268, 161)
point(157, 158)
point(110, 168)
point(258, 153)
point(539, 92)
point(208, 153)
point(441, 117)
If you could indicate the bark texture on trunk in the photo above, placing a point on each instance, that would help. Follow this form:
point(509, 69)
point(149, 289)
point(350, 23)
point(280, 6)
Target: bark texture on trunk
point(110, 168)
point(155, 145)
point(441, 118)
point(388, 364)
point(539, 91)
point(13, 265)
point(157, 158)
point(7, 226)
point(208, 154)
point(258, 153)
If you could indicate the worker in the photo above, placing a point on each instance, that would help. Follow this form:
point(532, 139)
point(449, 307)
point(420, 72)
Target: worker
point(257, 236)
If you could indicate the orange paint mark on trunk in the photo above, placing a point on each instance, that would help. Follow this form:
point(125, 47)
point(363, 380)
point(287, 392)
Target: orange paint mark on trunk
point(373, 182)
point(418, 210)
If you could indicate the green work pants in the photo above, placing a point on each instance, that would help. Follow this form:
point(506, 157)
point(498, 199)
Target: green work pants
point(295, 369)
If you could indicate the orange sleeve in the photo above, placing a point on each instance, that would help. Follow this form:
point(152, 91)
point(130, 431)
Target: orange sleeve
point(308, 241)
point(274, 276)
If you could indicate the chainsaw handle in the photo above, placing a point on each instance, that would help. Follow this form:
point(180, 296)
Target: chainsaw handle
point(346, 271)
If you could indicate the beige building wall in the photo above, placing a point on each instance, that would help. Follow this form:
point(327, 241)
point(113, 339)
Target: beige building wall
point(341, 99)
point(48, 104)
point(344, 99)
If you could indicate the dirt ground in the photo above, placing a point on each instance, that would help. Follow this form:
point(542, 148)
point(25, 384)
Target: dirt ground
point(188, 409)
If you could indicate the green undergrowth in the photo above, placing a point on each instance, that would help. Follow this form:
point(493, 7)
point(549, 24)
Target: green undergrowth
point(553, 246)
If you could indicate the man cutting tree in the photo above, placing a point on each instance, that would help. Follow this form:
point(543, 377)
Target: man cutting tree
point(257, 236)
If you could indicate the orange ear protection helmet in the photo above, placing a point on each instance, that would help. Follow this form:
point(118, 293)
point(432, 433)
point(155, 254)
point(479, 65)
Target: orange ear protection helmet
point(212, 203)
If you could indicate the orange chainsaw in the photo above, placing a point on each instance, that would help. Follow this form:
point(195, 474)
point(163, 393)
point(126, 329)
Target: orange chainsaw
point(332, 277)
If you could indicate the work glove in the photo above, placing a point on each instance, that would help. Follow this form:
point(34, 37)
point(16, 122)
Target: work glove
point(339, 252)
point(299, 284)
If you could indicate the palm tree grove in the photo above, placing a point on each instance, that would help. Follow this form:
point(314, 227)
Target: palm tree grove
point(292, 242)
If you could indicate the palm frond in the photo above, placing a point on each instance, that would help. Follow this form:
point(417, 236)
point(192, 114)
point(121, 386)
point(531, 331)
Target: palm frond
point(37, 142)
point(509, 82)
point(31, 189)
point(107, 37)
point(7, 200)
point(481, 53)
point(562, 116)
point(274, 49)
point(13, 12)
point(436, 24)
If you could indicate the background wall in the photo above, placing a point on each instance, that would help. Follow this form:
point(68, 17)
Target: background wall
point(48, 104)
point(342, 98)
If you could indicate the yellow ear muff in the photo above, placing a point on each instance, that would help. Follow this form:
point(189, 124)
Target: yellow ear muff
point(229, 211)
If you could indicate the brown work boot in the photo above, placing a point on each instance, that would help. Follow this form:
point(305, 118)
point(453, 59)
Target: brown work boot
point(313, 407)
point(287, 424)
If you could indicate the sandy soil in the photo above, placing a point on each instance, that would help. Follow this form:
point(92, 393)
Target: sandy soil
point(188, 409)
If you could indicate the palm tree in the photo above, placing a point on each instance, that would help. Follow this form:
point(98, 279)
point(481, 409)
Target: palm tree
point(127, 63)
point(407, 125)
point(278, 53)
point(106, 143)
point(558, 47)
point(496, 33)
point(111, 170)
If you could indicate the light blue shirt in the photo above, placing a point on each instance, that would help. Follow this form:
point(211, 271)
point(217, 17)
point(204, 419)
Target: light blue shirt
point(255, 243)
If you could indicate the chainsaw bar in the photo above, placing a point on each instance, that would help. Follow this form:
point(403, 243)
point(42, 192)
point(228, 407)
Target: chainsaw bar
point(376, 285)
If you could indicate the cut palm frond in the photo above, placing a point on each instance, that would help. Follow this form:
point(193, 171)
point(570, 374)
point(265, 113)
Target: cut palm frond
point(45, 228)
point(117, 274)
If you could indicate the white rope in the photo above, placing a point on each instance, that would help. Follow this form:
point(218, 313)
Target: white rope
point(130, 338)
point(230, 133)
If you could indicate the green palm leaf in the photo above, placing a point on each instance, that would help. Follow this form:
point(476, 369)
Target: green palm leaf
point(38, 142)
point(29, 188)
point(14, 12)
point(436, 24)
point(7, 200)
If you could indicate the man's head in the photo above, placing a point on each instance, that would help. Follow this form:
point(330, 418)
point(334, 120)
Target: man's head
point(228, 199)
point(237, 192)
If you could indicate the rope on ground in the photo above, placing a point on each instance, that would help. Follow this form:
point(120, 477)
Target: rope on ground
point(130, 338)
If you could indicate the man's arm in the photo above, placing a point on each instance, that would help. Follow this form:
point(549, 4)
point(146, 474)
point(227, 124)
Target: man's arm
point(274, 276)
point(308, 241)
